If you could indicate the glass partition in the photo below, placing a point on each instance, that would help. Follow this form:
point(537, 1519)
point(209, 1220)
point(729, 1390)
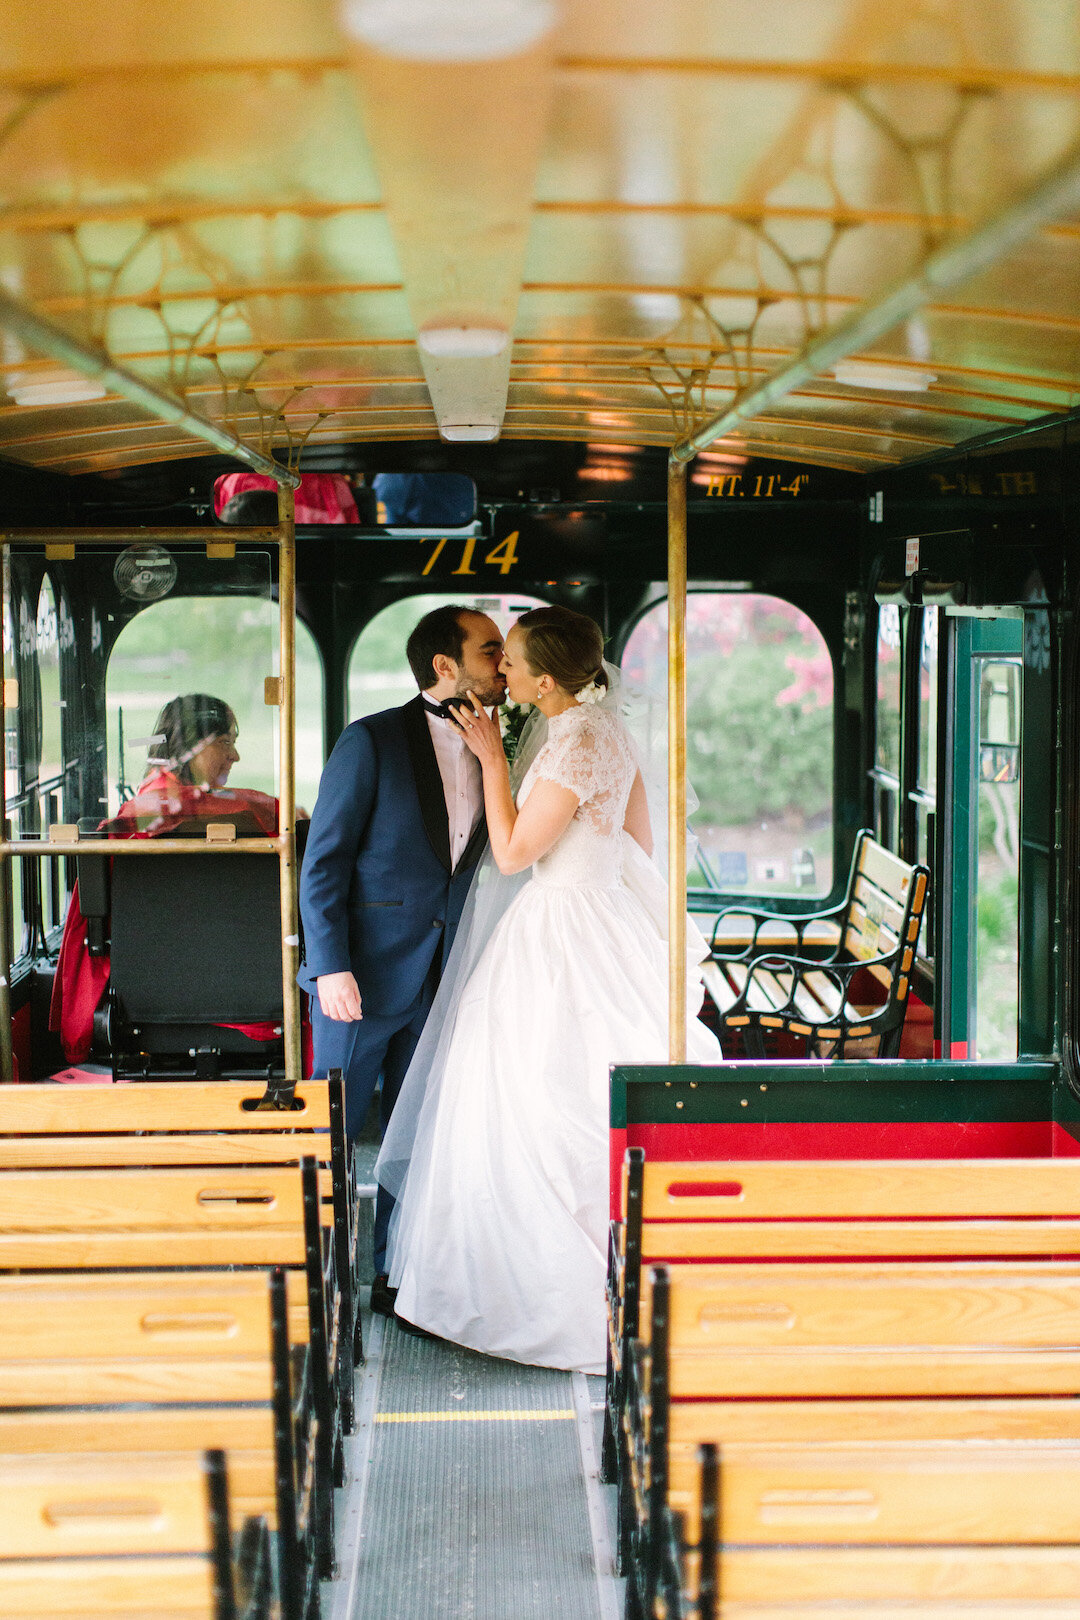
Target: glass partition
point(759, 739)
point(99, 645)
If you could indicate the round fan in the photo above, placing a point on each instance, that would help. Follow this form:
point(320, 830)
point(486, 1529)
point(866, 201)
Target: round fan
point(145, 573)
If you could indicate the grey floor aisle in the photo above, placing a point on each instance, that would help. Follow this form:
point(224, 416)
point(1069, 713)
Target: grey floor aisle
point(472, 1491)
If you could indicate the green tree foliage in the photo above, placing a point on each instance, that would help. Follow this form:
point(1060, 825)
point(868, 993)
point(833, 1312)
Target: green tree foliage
point(759, 702)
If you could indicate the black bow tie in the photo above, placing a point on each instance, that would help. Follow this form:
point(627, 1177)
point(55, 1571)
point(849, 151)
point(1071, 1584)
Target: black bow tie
point(444, 711)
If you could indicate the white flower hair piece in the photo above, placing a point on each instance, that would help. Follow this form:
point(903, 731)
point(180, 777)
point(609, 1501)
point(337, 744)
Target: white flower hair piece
point(591, 693)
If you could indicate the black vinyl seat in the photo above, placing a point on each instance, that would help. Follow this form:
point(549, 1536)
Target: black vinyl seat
point(195, 946)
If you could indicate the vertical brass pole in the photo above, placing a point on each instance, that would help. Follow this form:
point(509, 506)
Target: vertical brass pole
point(290, 912)
point(7, 943)
point(676, 761)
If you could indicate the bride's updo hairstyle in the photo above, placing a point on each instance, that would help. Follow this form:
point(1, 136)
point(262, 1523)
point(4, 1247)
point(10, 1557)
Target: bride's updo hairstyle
point(566, 645)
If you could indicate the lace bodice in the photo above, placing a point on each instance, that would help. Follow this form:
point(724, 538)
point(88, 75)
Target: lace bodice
point(588, 751)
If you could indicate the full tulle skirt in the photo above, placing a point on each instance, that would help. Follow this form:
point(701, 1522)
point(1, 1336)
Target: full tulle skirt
point(500, 1234)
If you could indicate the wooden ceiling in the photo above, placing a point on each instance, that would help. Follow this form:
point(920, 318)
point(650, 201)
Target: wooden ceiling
point(660, 200)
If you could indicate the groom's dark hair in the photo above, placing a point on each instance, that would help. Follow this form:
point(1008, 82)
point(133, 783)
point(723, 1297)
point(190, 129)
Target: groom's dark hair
point(438, 632)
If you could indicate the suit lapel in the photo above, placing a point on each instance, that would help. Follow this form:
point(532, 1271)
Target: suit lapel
point(429, 787)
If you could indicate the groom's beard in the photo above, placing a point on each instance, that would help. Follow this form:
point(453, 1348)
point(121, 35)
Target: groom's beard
point(490, 696)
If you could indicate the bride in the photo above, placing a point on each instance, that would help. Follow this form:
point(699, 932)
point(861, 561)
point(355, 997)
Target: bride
point(497, 1149)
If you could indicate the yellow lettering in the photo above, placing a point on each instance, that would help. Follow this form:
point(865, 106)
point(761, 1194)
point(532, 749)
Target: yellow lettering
point(429, 565)
point(467, 556)
point(504, 555)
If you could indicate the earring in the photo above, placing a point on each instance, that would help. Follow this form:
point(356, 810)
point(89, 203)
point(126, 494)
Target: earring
point(539, 694)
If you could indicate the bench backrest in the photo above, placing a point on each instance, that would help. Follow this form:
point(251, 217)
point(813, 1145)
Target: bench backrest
point(162, 1106)
point(890, 1492)
point(885, 903)
point(67, 1219)
point(69, 1526)
point(919, 1329)
point(115, 1337)
point(844, 1209)
point(168, 955)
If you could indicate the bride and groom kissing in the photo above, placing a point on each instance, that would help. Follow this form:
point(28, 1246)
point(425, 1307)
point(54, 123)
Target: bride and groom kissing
point(490, 940)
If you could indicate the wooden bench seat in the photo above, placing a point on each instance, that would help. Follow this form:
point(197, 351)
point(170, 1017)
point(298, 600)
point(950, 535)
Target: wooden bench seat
point(141, 1535)
point(173, 1362)
point(761, 987)
point(210, 1123)
point(825, 1210)
point(779, 1352)
point(875, 1304)
point(52, 1220)
point(848, 1523)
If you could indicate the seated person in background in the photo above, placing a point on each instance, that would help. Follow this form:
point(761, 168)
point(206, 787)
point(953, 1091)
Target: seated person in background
point(187, 768)
point(188, 765)
point(252, 507)
point(321, 498)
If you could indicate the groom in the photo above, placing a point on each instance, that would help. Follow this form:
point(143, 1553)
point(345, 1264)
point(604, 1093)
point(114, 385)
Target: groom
point(397, 831)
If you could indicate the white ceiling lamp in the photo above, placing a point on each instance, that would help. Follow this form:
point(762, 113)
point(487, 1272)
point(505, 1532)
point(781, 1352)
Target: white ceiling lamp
point(467, 371)
point(463, 342)
point(469, 432)
point(448, 30)
point(879, 374)
point(53, 385)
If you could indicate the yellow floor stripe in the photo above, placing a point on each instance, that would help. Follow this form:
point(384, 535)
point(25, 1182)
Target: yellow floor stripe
point(528, 1416)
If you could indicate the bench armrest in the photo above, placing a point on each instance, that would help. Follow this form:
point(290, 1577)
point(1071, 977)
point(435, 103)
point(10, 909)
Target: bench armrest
point(798, 922)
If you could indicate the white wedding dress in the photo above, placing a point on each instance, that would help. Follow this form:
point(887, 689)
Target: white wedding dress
point(500, 1233)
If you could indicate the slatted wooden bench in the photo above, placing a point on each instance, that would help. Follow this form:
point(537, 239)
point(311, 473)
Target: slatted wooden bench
point(208, 1123)
point(840, 1210)
point(172, 1361)
point(761, 987)
point(830, 1233)
point(935, 1353)
point(144, 1536)
point(993, 1526)
point(53, 1220)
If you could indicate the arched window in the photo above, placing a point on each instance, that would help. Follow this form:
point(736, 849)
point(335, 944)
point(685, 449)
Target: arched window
point(47, 634)
point(759, 738)
point(51, 751)
point(379, 676)
point(225, 646)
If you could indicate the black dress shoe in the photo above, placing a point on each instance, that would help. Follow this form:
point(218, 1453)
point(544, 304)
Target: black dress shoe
point(382, 1295)
point(412, 1330)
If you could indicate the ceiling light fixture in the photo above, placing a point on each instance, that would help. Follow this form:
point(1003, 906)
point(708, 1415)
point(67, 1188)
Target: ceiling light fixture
point(469, 432)
point(52, 386)
point(877, 374)
point(463, 342)
point(448, 30)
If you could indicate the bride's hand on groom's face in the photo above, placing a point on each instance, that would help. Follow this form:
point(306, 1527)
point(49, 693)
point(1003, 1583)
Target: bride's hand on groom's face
point(481, 732)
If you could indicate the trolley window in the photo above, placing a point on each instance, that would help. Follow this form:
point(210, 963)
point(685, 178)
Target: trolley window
point(759, 739)
point(224, 646)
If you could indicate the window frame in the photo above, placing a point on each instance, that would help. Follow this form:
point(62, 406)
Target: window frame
point(706, 899)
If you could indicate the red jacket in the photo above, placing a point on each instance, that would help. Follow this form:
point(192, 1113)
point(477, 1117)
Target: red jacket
point(160, 806)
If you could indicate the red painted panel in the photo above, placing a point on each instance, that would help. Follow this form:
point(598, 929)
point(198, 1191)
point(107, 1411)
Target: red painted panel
point(849, 1139)
point(1065, 1145)
point(617, 1145)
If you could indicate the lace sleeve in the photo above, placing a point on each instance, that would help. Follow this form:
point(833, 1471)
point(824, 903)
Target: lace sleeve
point(590, 757)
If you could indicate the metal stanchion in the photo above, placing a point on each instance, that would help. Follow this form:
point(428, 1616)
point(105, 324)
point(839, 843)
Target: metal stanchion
point(290, 911)
point(676, 761)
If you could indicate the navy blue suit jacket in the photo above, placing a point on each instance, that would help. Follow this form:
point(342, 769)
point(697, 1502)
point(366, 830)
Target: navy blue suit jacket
point(377, 894)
